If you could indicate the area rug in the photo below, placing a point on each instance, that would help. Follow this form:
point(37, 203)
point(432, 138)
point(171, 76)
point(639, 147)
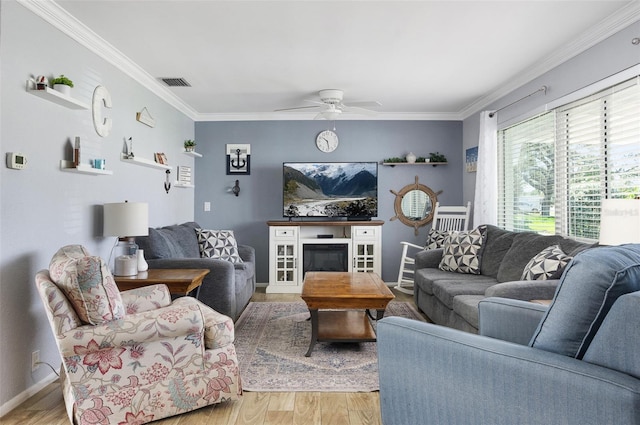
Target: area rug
point(273, 337)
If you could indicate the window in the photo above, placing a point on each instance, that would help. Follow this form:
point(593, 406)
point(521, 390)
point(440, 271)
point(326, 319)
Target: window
point(555, 168)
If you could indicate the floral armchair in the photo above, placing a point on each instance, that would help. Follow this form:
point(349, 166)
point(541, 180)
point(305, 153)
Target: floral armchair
point(135, 356)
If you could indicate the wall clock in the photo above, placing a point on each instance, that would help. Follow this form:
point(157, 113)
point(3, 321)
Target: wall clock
point(101, 97)
point(327, 141)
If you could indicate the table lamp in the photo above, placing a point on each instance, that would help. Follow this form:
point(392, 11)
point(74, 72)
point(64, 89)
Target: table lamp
point(620, 221)
point(125, 220)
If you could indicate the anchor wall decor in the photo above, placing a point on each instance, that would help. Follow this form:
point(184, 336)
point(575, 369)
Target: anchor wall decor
point(238, 159)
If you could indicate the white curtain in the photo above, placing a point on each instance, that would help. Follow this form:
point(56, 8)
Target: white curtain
point(485, 206)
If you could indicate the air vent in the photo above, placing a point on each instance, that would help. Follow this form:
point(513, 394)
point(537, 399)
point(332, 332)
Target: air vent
point(176, 82)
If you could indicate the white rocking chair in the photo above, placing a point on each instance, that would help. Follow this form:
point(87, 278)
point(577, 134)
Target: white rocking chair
point(445, 218)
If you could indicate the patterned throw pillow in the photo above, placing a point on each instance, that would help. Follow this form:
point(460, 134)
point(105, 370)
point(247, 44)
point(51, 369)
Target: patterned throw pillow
point(88, 284)
point(462, 251)
point(220, 244)
point(435, 238)
point(546, 264)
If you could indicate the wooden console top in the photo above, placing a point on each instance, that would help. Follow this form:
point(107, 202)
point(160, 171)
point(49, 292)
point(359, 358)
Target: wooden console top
point(326, 223)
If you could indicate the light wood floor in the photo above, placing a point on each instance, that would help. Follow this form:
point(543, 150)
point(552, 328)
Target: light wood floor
point(259, 408)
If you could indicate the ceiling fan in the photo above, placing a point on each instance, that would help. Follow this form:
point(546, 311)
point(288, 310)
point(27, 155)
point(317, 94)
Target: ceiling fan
point(331, 106)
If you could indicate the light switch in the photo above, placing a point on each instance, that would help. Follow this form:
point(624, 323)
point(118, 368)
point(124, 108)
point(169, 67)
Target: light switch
point(207, 206)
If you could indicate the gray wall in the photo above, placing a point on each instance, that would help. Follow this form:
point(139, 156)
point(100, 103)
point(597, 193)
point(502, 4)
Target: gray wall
point(608, 57)
point(43, 208)
point(274, 142)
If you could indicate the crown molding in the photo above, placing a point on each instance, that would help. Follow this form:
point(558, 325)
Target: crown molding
point(59, 18)
point(306, 116)
point(614, 23)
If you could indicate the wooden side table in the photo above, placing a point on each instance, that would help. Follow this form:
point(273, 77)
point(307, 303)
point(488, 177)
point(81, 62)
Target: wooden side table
point(179, 281)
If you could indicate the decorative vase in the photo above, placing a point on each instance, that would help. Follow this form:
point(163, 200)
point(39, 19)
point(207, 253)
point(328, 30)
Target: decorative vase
point(190, 148)
point(63, 88)
point(142, 263)
point(411, 158)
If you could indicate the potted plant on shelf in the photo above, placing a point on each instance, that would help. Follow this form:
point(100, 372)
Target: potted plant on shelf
point(62, 84)
point(437, 157)
point(189, 145)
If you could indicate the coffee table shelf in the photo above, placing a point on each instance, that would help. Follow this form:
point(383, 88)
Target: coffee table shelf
point(345, 326)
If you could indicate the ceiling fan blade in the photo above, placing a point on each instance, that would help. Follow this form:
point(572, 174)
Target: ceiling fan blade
point(365, 104)
point(296, 108)
point(358, 110)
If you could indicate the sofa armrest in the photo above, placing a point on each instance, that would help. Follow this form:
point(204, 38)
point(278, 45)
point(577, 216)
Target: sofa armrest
point(525, 290)
point(247, 253)
point(428, 258)
point(509, 319)
point(218, 289)
point(146, 298)
point(167, 323)
point(452, 377)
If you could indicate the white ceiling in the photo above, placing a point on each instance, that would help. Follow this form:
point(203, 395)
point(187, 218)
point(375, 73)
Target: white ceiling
point(420, 59)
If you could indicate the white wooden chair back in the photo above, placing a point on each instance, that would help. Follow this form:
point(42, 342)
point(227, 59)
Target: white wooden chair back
point(445, 218)
point(451, 218)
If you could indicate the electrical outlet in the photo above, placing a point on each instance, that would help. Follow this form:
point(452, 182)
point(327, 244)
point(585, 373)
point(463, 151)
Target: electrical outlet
point(207, 206)
point(35, 360)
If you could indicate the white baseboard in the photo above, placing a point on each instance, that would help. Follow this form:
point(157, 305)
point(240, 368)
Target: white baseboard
point(26, 394)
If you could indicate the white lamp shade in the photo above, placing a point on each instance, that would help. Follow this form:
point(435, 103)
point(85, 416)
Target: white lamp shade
point(126, 219)
point(620, 221)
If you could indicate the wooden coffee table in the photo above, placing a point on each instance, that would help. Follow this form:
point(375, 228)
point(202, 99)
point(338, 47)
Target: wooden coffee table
point(349, 296)
point(179, 281)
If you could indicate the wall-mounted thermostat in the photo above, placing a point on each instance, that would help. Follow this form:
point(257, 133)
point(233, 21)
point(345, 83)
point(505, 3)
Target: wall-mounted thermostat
point(16, 160)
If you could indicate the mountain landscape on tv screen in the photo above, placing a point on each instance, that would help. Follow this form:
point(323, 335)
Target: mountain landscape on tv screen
point(330, 189)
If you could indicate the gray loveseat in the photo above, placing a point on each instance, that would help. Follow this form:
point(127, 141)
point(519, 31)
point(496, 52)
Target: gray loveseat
point(227, 288)
point(451, 299)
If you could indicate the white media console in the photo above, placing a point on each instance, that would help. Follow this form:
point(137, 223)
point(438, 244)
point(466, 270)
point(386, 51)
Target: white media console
point(298, 246)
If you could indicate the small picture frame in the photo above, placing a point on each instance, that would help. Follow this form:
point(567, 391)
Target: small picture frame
point(238, 159)
point(471, 160)
point(160, 158)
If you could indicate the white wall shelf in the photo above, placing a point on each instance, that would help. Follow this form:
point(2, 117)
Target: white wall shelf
point(144, 162)
point(56, 97)
point(83, 169)
point(193, 154)
point(393, 164)
point(183, 185)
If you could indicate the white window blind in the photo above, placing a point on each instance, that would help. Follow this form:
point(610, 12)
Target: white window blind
point(526, 153)
point(555, 168)
point(598, 151)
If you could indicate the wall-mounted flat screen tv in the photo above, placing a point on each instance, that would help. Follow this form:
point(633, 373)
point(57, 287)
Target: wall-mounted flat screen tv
point(330, 189)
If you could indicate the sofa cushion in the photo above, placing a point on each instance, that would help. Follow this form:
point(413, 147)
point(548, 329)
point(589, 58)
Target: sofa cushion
point(546, 264)
point(590, 284)
point(497, 242)
point(177, 241)
point(424, 278)
point(87, 283)
point(466, 306)
point(220, 244)
point(462, 251)
point(446, 290)
point(524, 247)
point(617, 343)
